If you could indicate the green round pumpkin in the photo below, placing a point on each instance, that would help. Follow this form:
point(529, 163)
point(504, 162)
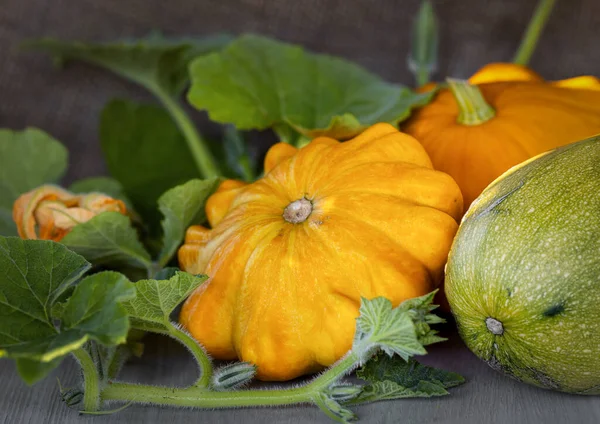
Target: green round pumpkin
point(523, 275)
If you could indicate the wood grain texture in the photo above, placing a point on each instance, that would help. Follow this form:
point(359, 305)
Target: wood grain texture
point(373, 33)
point(487, 397)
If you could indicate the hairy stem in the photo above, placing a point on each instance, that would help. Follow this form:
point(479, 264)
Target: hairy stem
point(201, 357)
point(201, 398)
point(342, 367)
point(205, 162)
point(91, 380)
point(533, 32)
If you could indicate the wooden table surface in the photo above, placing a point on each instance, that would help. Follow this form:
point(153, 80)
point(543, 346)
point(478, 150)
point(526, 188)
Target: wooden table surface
point(486, 398)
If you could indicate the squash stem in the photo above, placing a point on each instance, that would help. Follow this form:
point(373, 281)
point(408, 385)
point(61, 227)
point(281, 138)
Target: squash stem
point(201, 398)
point(91, 380)
point(472, 107)
point(197, 397)
point(533, 32)
point(201, 357)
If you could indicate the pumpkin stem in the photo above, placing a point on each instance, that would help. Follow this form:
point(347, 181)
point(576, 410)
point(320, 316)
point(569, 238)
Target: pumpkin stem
point(297, 211)
point(472, 107)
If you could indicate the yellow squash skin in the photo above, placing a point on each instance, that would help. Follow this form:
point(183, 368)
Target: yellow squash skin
point(532, 116)
point(285, 295)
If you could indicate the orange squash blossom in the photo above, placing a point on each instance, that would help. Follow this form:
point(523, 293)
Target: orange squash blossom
point(50, 212)
point(290, 255)
point(504, 115)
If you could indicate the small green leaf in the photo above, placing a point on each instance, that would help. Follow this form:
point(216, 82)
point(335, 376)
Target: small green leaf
point(258, 83)
point(389, 329)
point(156, 300)
point(395, 378)
point(153, 61)
point(419, 309)
point(35, 274)
point(182, 206)
point(108, 239)
point(28, 159)
point(145, 152)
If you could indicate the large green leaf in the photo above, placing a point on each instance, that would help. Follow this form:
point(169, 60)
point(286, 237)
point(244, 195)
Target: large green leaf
point(35, 273)
point(182, 206)
point(161, 66)
point(394, 378)
point(28, 159)
point(145, 152)
point(156, 300)
point(258, 83)
point(153, 62)
point(108, 239)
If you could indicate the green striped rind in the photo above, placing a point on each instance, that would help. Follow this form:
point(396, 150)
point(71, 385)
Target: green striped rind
point(528, 255)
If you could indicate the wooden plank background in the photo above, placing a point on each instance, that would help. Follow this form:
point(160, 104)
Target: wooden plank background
point(373, 33)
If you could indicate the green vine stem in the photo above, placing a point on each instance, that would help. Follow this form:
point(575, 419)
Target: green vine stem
point(201, 357)
point(472, 107)
point(422, 60)
point(91, 380)
point(201, 398)
point(533, 32)
point(205, 162)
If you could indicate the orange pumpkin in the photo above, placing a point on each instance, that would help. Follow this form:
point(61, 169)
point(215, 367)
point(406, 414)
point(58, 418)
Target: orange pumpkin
point(290, 256)
point(505, 115)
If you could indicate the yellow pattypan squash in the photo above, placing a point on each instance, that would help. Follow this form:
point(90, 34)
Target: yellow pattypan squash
point(290, 255)
point(504, 115)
